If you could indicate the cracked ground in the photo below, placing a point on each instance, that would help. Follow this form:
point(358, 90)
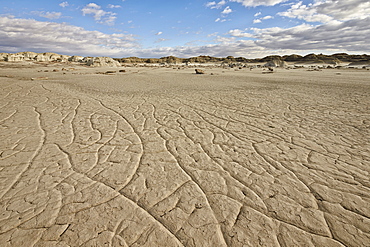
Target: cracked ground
point(163, 157)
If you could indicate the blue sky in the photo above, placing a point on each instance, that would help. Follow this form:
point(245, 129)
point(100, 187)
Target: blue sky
point(156, 28)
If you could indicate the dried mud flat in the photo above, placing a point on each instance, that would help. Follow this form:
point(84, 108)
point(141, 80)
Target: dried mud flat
point(164, 157)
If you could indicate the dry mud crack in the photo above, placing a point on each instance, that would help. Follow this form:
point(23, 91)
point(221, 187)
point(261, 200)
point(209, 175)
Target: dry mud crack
point(168, 158)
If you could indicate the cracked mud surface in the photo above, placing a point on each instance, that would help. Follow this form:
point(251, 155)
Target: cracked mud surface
point(170, 158)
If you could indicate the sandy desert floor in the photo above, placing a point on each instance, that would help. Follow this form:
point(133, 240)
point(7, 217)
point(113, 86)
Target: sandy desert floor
point(165, 157)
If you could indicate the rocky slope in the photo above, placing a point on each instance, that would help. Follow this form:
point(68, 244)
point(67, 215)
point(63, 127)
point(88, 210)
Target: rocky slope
point(53, 57)
point(115, 62)
point(310, 58)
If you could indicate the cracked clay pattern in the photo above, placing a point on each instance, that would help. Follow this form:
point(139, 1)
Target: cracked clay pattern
point(248, 166)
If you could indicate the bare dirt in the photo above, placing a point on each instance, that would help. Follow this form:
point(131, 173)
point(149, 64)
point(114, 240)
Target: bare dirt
point(165, 157)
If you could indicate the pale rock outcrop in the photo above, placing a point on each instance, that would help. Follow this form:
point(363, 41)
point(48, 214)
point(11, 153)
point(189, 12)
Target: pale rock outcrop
point(54, 57)
point(76, 59)
point(15, 57)
point(64, 58)
point(28, 55)
point(51, 57)
point(102, 62)
point(4, 56)
point(276, 63)
point(33, 56)
point(41, 58)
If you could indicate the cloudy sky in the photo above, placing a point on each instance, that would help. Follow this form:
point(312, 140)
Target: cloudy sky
point(185, 28)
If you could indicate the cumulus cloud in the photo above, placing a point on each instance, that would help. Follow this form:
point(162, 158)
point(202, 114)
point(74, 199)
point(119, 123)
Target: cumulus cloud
point(325, 11)
point(214, 5)
point(345, 36)
point(267, 17)
point(239, 33)
point(352, 35)
point(343, 10)
point(254, 3)
point(263, 18)
point(31, 35)
point(101, 16)
point(48, 15)
point(64, 4)
point(227, 11)
point(210, 4)
point(220, 20)
point(305, 12)
point(159, 33)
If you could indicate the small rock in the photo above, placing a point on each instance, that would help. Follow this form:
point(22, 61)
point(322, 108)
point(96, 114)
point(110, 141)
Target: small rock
point(39, 78)
point(122, 70)
point(199, 71)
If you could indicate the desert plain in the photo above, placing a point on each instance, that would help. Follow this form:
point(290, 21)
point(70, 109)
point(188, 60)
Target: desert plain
point(159, 156)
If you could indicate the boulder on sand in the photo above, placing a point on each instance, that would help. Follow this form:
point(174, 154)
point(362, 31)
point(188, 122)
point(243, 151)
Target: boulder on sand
point(199, 71)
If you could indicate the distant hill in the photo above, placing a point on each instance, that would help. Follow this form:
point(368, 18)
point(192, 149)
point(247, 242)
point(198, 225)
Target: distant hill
point(294, 58)
point(310, 58)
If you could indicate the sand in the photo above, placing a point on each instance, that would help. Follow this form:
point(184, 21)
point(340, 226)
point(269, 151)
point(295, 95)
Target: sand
point(165, 157)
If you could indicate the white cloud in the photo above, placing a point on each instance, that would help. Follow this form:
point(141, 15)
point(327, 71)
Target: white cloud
point(224, 40)
point(254, 3)
point(262, 18)
point(64, 4)
point(210, 4)
point(267, 17)
point(220, 20)
point(100, 15)
point(351, 35)
point(257, 14)
point(111, 6)
point(240, 33)
point(305, 12)
point(227, 11)
point(214, 5)
point(159, 33)
point(325, 11)
point(48, 15)
point(343, 10)
point(32, 35)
